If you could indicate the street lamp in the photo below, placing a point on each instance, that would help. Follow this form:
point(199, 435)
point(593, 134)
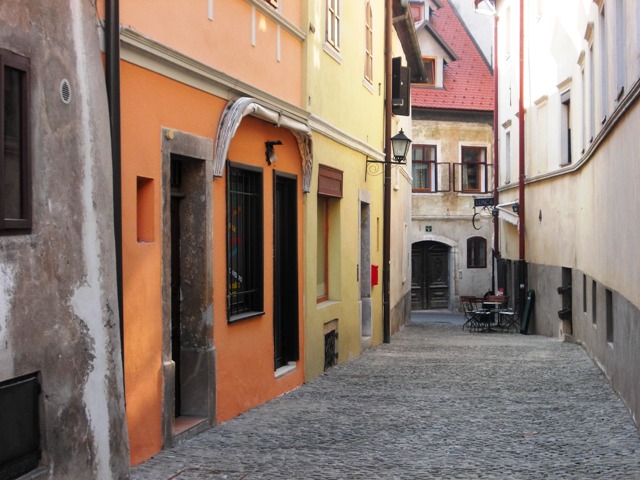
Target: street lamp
point(400, 144)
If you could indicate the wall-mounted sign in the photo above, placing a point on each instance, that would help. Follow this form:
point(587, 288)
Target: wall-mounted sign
point(427, 228)
point(483, 202)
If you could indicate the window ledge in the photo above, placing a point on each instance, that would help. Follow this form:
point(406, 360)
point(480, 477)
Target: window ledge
point(327, 303)
point(244, 316)
point(282, 371)
point(332, 52)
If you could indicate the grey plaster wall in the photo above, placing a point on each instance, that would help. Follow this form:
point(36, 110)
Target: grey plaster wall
point(58, 302)
point(618, 359)
point(544, 280)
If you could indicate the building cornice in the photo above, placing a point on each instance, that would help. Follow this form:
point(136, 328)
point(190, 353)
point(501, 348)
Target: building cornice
point(148, 53)
point(328, 130)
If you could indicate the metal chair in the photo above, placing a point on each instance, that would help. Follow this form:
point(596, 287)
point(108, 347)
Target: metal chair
point(477, 317)
point(509, 318)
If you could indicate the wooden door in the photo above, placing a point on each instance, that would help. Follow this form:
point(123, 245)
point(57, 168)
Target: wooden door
point(429, 276)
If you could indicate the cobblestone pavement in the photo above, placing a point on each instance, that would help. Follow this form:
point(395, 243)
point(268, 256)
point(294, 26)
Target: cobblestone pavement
point(436, 402)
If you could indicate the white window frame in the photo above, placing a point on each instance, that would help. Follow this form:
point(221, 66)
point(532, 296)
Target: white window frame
point(333, 24)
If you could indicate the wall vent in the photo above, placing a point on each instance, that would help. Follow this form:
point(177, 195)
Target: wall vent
point(65, 91)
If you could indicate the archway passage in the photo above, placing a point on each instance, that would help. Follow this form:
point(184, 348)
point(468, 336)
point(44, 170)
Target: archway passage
point(429, 276)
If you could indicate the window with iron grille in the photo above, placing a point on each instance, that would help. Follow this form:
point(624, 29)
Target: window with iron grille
point(424, 168)
point(244, 242)
point(476, 252)
point(15, 165)
point(333, 24)
point(474, 166)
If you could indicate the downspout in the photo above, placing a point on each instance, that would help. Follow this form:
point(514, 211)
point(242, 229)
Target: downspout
point(112, 60)
point(496, 162)
point(521, 172)
point(386, 221)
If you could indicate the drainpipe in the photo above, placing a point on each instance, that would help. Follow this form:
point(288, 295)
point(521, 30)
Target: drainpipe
point(112, 60)
point(521, 173)
point(521, 196)
point(496, 162)
point(386, 221)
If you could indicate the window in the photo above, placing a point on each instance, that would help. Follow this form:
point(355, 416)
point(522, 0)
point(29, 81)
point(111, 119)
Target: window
point(368, 63)
point(604, 67)
point(609, 301)
point(592, 94)
point(476, 252)
point(594, 305)
point(507, 157)
point(417, 11)
point(474, 163)
point(333, 24)
point(565, 128)
point(430, 71)
point(330, 183)
point(424, 168)
point(507, 33)
point(322, 284)
point(621, 61)
point(584, 293)
point(244, 242)
point(15, 162)
point(583, 117)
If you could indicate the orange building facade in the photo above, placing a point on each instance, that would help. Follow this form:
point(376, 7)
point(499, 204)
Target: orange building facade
point(216, 157)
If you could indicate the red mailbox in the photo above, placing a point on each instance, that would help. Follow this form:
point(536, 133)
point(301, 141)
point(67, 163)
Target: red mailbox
point(374, 275)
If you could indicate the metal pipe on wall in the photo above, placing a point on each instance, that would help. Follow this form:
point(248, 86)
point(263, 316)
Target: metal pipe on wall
point(386, 221)
point(521, 163)
point(112, 60)
point(496, 150)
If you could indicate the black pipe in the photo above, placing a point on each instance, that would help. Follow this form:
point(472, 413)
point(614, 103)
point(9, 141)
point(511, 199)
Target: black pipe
point(386, 220)
point(112, 54)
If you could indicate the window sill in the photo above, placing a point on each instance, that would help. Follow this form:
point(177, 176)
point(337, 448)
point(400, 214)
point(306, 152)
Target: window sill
point(244, 316)
point(332, 52)
point(326, 303)
point(282, 371)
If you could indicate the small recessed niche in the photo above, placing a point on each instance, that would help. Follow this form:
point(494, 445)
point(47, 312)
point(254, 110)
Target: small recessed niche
point(144, 210)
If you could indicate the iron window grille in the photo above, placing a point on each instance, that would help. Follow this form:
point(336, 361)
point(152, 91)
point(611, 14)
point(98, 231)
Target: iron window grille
point(15, 162)
point(244, 242)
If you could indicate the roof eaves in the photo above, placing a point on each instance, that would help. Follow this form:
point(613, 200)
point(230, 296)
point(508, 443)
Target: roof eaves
point(406, 30)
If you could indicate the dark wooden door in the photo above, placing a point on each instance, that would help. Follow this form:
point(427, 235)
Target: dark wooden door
point(285, 274)
point(175, 295)
point(429, 276)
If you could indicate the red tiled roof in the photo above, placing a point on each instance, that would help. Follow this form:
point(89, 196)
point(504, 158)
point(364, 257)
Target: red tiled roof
point(468, 81)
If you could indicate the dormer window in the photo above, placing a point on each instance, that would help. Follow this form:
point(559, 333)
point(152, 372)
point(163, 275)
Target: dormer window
point(417, 10)
point(430, 71)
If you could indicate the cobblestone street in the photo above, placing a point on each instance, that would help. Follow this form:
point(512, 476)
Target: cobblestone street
point(437, 402)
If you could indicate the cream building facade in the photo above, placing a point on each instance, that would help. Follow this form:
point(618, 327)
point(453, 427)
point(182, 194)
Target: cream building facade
point(577, 193)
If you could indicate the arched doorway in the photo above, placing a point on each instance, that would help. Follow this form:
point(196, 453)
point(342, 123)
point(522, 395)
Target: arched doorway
point(429, 275)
